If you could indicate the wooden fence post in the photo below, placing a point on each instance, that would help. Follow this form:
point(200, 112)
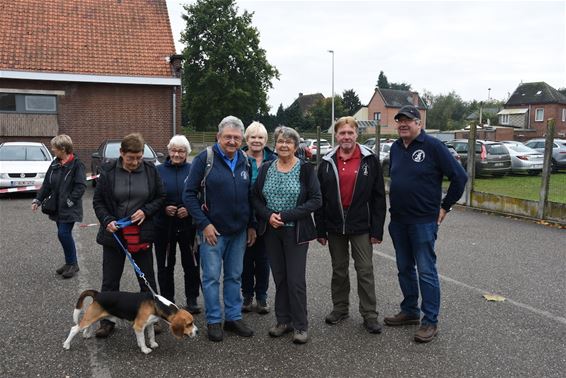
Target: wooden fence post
point(546, 168)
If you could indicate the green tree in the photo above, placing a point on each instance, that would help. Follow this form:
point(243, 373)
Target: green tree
point(351, 101)
point(321, 112)
point(225, 71)
point(400, 86)
point(447, 112)
point(382, 81)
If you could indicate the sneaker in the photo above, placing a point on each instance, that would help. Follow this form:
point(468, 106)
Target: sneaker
point(238, 327)
point(192, 306)
point(106, 329)
point(62, 269)
point(426, 333)
point(336, 317)
point(372, 325)
point(262, 307)
point(215, 332)
point(70, 272)
point(401, 319)
point(247, 305)
point(300, 337)
point(279, 330)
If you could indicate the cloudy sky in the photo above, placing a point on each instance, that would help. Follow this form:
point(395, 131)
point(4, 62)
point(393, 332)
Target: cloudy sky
point(462, 46)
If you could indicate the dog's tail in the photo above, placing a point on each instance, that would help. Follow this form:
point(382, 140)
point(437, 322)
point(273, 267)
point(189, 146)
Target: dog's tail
point(79, 305)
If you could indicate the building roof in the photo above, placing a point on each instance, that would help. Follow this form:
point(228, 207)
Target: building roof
point(535, 93)
point(513, 111)
point(487, 110)
point(306, 102)
point(396, 98)
point(96, 37)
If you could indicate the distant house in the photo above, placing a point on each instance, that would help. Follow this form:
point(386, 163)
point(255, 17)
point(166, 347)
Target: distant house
point(92, 69)
point(531, 105)
point(307, 102)
point(385, 103)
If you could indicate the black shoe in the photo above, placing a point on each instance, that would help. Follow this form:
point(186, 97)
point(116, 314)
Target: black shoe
point(372, 325)
point(247, 306)
point(70, 272)
point(238, 327)
point(106, 329)
point(262, 307)
point(62, 269)
point(192, 306)
point(336, 317)
point(215, 332)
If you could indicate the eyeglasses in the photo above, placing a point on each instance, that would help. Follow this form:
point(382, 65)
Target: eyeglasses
point(180, 152)
point(228, 138)
point(288, 142)
point(132, 158)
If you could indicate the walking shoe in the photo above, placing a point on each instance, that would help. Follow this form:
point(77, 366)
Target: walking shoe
point(247, 305)
point(262, 307)
point(336, 317)
point(70, 272)
point(238, 327)
point(62, 269)
point(300, 337)
point(279, 330)
point(401, 319)
point(372, 325)
point(215, 332)
point(106, 329)
point(192, 306)
point(426, 333)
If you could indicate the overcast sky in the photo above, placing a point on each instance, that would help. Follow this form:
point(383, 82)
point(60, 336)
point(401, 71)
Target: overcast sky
point(440, 46)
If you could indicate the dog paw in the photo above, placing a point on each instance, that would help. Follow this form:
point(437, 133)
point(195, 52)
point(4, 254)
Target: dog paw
point(67, 346)
point(153, 344)
point(146, 350)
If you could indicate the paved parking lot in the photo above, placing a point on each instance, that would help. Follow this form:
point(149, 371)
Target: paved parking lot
point(477, 253)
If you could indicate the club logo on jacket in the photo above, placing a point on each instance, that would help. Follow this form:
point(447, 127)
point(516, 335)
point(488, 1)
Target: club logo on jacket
point(244, 175)
point(365, 169)
point(418, 156)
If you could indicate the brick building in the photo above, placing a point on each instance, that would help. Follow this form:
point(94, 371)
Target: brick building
point(92, 69)
point(385, 103)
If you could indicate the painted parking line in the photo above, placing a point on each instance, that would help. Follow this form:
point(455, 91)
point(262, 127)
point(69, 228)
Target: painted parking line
point(532, 309)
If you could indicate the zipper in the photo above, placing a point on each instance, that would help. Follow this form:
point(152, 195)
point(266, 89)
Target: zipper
point(339, 197)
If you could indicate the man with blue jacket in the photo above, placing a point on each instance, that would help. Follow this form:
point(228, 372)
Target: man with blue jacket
point(222, 217)
point(418, 164)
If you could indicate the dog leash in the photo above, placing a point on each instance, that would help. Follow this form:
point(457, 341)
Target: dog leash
point(121, 223)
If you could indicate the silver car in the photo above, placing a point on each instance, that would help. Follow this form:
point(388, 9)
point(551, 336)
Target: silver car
point(524, 159)
point(558, 151)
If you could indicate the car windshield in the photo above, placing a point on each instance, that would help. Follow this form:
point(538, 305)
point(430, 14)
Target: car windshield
point(495, 149)
point(23, 153)
point(386, 148)
point(113, 151)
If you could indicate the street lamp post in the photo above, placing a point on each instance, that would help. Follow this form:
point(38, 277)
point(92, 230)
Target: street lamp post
point(488, 94)
point(332, 119)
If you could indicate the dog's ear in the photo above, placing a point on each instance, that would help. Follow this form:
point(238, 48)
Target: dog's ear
point(178, 326)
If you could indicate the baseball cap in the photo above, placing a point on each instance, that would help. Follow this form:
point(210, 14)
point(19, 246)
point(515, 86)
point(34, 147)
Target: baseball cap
point(408, 111)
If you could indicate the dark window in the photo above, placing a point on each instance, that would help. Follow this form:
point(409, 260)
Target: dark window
point(24, 103)
point(7, 102)
point(496, 149)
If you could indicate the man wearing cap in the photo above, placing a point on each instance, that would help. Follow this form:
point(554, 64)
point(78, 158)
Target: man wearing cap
point(418, 164)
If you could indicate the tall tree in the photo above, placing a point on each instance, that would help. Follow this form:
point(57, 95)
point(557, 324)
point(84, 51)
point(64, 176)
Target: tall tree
point(225, 71)
point(351, 101)
point(447, 112)
point(382, 81)
point(401, 86)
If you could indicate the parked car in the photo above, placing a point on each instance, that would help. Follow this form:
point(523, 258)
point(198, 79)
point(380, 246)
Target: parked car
point(384, 148)
point(110, 150)
point(454, 153)
point(370, 142)
point(558, 151)
point(311, 144)
point(492, 158)
point(303, 151)
point(524, 159)
point(23, 163)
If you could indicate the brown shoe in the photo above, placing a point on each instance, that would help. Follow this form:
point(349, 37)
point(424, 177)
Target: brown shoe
point(401, 319)
point(106, 329)
point(426, 333)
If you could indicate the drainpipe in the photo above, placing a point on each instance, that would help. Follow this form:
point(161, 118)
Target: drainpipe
point(174, 111)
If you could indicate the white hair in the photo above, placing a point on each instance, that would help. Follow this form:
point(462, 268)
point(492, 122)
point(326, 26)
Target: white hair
point(231, 121)
point(180, 141)
point(256, 128)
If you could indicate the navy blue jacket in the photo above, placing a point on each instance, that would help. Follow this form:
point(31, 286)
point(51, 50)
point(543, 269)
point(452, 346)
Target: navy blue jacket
point(228, 194)
point(173, 178)
point(416, 172)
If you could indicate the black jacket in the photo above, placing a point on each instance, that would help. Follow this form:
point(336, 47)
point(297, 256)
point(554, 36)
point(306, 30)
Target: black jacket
point(68, 183)
point(105, 204)
point(366, 213)
point(309, 200)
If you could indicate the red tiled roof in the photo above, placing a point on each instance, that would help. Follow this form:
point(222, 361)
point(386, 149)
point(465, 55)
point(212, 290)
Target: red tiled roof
point(99, 37)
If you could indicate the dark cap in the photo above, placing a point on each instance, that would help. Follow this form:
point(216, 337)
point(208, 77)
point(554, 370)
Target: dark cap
point(408, 111)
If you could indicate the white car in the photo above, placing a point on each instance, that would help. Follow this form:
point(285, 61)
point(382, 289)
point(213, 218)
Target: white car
point(325, 147)
point(23, 163)
point(524, 159)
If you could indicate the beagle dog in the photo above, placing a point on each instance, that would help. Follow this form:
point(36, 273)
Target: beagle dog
point(141, 308)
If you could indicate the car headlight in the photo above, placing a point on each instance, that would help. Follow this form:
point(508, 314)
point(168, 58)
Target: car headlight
point(41, 175)
point(4, 176)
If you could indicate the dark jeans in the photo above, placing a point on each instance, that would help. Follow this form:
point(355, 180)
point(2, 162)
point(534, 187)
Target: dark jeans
point(288, 265)
point(255, 276)
point(65, 235)
point(113, 260)
point(165, 253)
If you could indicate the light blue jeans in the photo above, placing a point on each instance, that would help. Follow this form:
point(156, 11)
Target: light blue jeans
point(228, 253)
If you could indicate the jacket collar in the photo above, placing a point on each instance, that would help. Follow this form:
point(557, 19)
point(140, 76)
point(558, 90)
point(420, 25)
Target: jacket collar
point(365, 151)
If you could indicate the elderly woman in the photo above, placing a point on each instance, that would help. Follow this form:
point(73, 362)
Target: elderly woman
point(175, 226)
point(65, 181)
point(285, 194)
point(128, 187)
point(255, 275)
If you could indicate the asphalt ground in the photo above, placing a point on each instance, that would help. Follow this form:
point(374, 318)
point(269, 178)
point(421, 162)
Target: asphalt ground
point(478, 253)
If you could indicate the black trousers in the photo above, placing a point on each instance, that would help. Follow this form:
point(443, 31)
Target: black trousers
point(113, 260)
point(288, 262)
point(165, 253)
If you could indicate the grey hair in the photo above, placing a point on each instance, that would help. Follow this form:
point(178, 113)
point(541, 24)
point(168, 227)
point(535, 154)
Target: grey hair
point(231, 121)
point(63, 142)
point(180, 141)
point(286, 133)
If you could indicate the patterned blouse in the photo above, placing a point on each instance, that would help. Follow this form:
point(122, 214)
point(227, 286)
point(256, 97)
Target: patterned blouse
point(281, 189)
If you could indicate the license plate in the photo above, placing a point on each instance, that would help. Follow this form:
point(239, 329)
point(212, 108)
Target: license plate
point(499, 164)
point(21, 183)
point(537, 166)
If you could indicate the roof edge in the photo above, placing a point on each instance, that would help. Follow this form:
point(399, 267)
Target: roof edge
point(83, 78)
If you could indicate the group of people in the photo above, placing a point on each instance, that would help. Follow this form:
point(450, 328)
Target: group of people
point(239, 213)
